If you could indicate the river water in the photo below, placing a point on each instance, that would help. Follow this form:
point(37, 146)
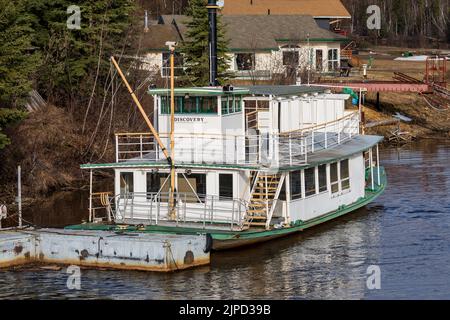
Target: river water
point(405, 233)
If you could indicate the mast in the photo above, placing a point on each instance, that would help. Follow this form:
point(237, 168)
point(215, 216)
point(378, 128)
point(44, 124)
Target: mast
point(212, 15)
point(172, 131)
point(141, 109)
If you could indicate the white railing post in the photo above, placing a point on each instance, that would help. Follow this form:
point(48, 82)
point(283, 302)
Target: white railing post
point(378, 166)
point(141, 147)
point(326, 136)
point(290, 149)
point(312, 140)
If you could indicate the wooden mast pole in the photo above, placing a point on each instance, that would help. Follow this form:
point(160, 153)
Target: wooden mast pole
point(172, 132)
point(141, 109)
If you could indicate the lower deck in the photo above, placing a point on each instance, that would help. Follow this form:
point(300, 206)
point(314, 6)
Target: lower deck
point(226, 239)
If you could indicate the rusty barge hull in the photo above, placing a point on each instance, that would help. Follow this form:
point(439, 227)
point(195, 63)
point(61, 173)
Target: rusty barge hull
point(103, 249)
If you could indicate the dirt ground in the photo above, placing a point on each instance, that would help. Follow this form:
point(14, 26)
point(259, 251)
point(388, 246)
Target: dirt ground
point(426, 121)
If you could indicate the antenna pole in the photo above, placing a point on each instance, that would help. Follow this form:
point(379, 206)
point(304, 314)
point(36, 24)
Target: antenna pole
point(141, 109)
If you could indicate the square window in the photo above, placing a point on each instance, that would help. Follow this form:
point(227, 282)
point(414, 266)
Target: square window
point(310, 182)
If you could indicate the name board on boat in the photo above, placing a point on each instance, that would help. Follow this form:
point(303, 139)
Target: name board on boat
point(189, 119)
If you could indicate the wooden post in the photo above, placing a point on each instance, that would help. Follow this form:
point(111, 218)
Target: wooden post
point(172, 134)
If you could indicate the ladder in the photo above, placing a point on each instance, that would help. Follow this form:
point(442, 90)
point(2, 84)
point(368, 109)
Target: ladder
point(264, 195)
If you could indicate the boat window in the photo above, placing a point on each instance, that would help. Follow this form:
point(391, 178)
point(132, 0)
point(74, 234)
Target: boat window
point(154, 183)
point(282, 195)
point(231, 104)
point(310, 182)
point(225, 186)
point(345, 175)
point(296, 185)
point(192, 188)
point(323, 178)
point(126, 184)
point(190, 105)
point(334, 177)
point(245, 61)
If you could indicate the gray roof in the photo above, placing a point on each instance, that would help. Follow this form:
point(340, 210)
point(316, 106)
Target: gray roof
point(258, 32)
point(267, 32)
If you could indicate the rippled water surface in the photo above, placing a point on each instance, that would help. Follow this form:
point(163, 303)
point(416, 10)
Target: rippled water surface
point(406, 232)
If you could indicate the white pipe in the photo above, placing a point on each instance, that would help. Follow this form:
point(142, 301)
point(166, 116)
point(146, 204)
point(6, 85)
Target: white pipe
point(19, 194)
point(378, 165)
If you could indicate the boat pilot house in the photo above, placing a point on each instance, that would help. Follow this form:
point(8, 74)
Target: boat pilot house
point(266, 158)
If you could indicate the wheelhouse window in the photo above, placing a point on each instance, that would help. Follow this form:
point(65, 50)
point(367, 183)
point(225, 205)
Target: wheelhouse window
point(225, 186)
point(245, 61)
point(322, 170)
point(155, 181)
point(333, 61)
point(231, 104)
point(126, 184)
point(345, 175)
point(178, 64)
point(334, 177)
point(296, 185)
point(310, 182)
point(190, 105)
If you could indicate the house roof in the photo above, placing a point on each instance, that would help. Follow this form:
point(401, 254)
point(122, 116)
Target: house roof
point(158, 35)
point(251, 32)
point(267, 32)
point(315, 8)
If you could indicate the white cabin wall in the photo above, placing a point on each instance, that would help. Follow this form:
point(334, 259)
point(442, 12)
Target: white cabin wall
point(318, 205)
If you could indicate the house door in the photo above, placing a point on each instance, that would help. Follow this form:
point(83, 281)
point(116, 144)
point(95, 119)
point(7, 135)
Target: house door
point(319, 60)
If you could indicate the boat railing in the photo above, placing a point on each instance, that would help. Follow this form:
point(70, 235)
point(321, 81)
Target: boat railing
point(200, 210)
point(268, 150)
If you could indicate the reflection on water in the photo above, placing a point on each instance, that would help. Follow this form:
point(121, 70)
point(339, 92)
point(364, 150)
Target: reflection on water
point(405, 232)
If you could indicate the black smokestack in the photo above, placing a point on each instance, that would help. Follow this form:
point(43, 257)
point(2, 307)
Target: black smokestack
point(212, 14)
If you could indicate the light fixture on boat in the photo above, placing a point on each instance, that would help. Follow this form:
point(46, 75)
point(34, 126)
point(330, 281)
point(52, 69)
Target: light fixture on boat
point(188, 172)
point(186, 96)
point(154, 171)
point(305, 95)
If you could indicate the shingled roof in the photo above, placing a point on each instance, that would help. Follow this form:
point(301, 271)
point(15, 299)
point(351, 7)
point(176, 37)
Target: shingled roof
point(254, 32)
point(315, 8)
point(267, 32)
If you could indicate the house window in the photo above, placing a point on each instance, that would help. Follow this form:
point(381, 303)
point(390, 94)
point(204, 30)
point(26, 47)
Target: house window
point(178, 64)
point(190, 105)
point(345, 175)
point(310, 182)
point(333, 61)
point(296, 184)
point(290, 58)
point(334, 178)
point(225, 186)
point(323, 178)
point(245, 61)
point(126, 184)
point(192, 187)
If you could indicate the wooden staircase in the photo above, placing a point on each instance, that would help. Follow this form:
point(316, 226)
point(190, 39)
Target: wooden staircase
point(265, 192)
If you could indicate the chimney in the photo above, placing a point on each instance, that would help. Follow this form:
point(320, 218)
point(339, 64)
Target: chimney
point(212, 15)
point(146, 22)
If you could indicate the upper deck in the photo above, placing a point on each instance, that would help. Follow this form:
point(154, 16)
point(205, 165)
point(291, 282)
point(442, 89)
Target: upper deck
point(252, 127)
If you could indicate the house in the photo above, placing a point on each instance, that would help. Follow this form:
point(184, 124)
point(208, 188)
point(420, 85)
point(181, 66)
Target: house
point(329, 14)
point(261, 46)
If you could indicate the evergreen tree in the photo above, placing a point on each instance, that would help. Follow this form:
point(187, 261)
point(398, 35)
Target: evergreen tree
point(71, 56)
point(195, 48)
point(18, 62)
point(8, 117)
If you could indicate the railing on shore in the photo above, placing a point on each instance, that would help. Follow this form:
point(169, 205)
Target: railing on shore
point(204, 210)
point(288, 148)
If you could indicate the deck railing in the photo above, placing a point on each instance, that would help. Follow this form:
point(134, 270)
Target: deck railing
point(202, 210)
point(269, 150)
